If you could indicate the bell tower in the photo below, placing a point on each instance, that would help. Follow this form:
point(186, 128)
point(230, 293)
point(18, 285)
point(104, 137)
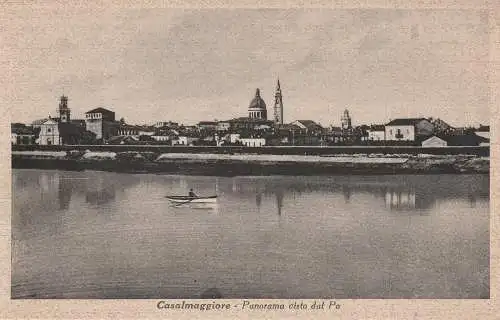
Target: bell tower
point(64, 111)
point(278, 105)
point(346, 120)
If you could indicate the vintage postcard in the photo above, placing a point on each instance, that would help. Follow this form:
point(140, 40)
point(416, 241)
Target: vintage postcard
point(251, 161)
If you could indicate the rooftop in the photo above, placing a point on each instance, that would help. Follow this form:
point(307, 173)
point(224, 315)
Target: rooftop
point(99, 110)
point(405, 121)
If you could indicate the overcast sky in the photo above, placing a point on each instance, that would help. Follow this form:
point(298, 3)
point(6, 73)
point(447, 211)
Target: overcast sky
point(192, 65)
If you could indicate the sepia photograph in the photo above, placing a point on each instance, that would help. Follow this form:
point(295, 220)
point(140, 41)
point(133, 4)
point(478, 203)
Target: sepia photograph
point(249, 153)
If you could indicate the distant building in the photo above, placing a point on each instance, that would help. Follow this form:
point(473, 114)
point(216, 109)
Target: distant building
point(440, 126)
point(168, 124)
point(346, 120)
point(278, 105)
point(64, 111)
point(376, 133)
point(223, 126)
point(230, 138)
point(49, 133)
point(127, 140)
point(165, 136)
point(78, 122)
point(408, 129)
point(146, 130)
point(483, 131)
point(22, 135)
point(309, 126)
point(247, 124)
point(253, 142)
point(127, 130)
point(257, 108)
point(101, 122)
point(130, 130)
point(434, 141)
point(37, 123)
point(207, 125)
point(53, 132)
point(62, 130)
point(466, 140)
point(185, 140)
point(335, 135)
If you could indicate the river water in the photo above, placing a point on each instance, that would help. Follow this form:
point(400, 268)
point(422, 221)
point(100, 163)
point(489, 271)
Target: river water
point(112, 235)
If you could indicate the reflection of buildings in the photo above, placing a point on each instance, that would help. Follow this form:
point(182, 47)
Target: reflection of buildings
point(64, 193)
point(100, 196)
point(279, 200)
point(397, 199)
point(346, 191)
point(279, 195)
point(395, 192)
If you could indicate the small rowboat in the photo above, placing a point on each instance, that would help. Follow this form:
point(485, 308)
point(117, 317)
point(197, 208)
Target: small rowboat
point(188, 199)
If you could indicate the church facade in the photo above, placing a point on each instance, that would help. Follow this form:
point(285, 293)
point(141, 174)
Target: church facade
point(58, 131)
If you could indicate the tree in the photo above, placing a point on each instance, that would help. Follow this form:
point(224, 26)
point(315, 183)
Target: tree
point(87, 137)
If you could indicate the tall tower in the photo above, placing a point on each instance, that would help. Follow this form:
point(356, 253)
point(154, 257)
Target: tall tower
point(64, 111)
point(278, 105)
point(346, 120)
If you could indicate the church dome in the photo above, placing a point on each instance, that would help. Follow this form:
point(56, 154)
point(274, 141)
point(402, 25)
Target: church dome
point(257, 102)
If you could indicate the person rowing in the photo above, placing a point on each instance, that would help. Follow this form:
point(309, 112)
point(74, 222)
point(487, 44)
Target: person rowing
point(192, 194)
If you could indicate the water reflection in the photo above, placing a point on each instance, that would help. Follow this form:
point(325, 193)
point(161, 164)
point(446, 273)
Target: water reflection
point(400, 200)
point(101, 196)
point(43, 197)
point(397, 193)
point(272, 237)
point(279, 200)
point(56, 189)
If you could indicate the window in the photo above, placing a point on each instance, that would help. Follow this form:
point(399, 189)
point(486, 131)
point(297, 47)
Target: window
point(49, 130)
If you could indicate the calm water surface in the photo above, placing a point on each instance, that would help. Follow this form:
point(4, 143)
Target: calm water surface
point(111, 235)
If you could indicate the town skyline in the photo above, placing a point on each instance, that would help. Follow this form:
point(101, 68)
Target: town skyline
point(270, 117)
point(378, 64)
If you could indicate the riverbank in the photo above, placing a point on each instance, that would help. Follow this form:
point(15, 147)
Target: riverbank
point(250, 164)
point(483, 151)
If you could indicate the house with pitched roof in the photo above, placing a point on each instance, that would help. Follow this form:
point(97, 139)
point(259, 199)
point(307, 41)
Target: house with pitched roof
point(408, 129)
point(22, 134)
point(376, 132)
point(483, 131)
point(309, 126)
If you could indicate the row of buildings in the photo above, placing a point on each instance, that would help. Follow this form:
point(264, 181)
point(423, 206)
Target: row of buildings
point(101, 127)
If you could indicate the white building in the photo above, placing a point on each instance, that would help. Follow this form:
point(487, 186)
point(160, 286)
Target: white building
point(185, 141)
point(170, 124)
point(376, 133)
point(223, 126)
point(434, 142)
point(253, 142)
point(161, 138)
point(49, 133)
point(407, 129)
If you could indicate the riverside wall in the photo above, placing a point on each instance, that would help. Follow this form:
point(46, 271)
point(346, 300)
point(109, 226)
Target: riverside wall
point(277, 150)
point(232, 164)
